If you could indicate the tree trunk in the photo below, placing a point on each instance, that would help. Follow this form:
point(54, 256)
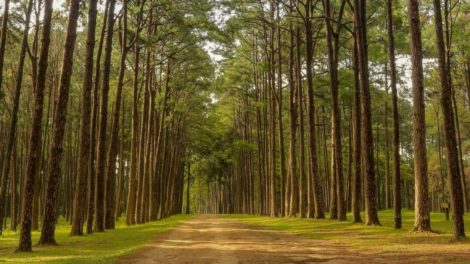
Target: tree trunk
point(456, 195)
point(48, 228)
point(101, 152)
point(94, 128)
point(312, 146)
point(281, 125)
point(110, 192)
point(422, 210)
point(396, 124)
point(366, 117)
point(293, 176)
point(12, 129)
point(132, 192)
point(78, 216)
point(336, 112)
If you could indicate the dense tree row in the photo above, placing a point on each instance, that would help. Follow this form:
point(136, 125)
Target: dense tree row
point(140, 109)
point(95, 122)
point(334, 111)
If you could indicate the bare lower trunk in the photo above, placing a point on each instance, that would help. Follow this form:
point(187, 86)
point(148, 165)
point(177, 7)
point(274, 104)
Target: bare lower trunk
point(25, 244)
point(78, 216)
point(102, 134)
point(422, 210)
point(396, 125)
point(5, 174)
point(366, 118)
point(317, 193)
point(56, 150)
point(356, 133)
point(114, 134)
point(456, 195)
point(94, 128)
point(132, 190)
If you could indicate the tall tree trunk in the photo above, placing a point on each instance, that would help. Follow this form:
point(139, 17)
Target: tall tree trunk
point(456, 195)
point(357, 185)
point(281, 125)
point(273, 121)
point(35, 147)
point(422, 210)
point(306, 185)
point(312, 146)
point(293, 176)
point(132, 189)
point(110, 192)
point(12, 129)
point(366, 125)
point(78, 216)
point(396, 124)
point(94, 128)
point(141, 168)
point(387, 152)
point(101, 152)
point(336, 112)
point(56, 150)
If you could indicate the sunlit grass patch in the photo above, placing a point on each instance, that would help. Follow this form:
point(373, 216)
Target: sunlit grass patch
point(96, 248)
point(383, 238)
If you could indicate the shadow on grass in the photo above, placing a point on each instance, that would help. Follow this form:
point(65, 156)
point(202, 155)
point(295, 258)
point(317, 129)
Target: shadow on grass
point(360, 235)
point(96, 248)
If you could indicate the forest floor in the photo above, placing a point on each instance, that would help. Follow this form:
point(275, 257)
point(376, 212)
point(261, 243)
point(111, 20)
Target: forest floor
point(247, 239)
point(253, 239)
point(385, 243)
point(96, 248)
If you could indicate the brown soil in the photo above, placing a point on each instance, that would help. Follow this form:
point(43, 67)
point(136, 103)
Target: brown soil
point(214, 239)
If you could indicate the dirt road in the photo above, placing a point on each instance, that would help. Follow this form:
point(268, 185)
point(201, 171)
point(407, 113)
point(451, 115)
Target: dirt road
point(218, 240)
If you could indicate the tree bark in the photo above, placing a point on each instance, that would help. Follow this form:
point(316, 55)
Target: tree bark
point(422, 210)
point(110, 192)
point(101, 152)
point(293, 176)
point(12, 129)
point(396, 124)
point(366, 116)
point(132, 189)
point(94, 127)
point(456, 195)
point(357, 185)
point(78, 216)
point(312, 146)
point(337, 145)
point(50, 215)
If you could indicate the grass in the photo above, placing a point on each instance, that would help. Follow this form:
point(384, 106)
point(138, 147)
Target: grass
point(106, 247)
point(97, 248)
point(384, 239)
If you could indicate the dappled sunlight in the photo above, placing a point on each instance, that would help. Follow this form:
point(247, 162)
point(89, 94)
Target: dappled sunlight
point(403, 242)
point(209, 239)
point(95, 248)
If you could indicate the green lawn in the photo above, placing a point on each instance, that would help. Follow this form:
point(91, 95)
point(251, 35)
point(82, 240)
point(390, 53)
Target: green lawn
point(381, 239)
point(97, 248)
